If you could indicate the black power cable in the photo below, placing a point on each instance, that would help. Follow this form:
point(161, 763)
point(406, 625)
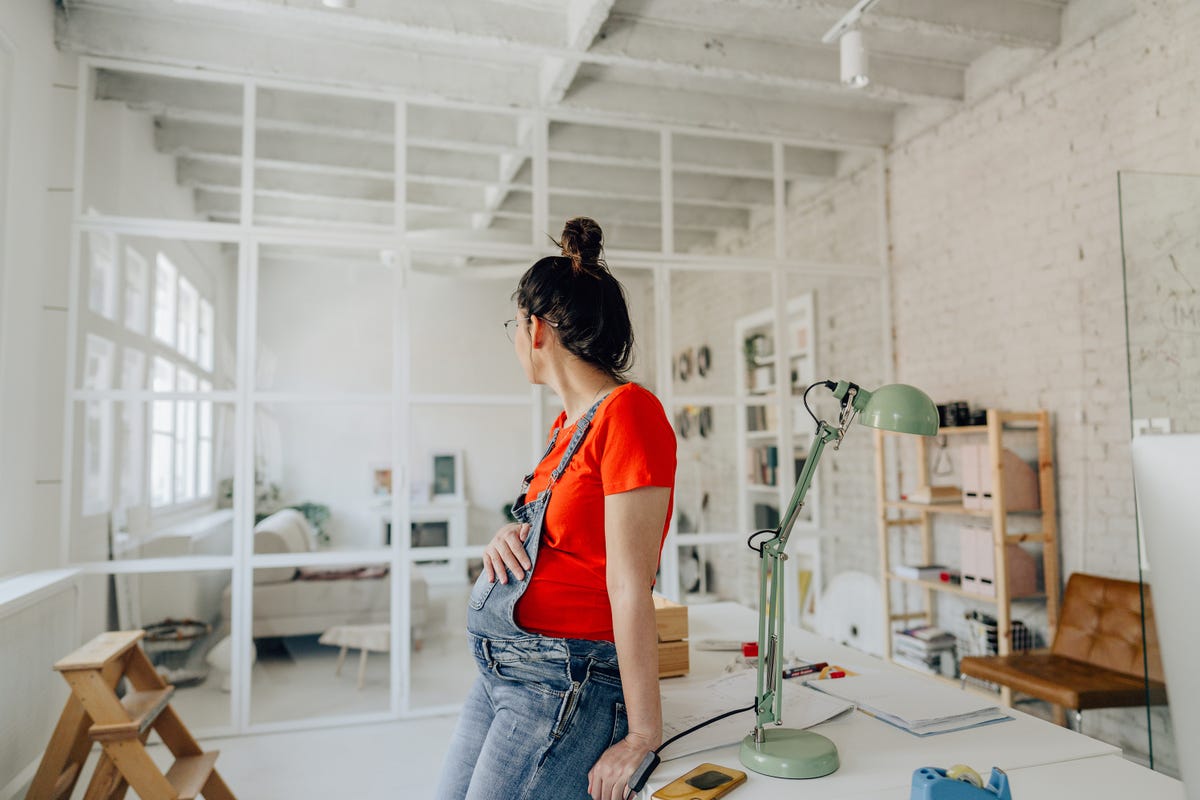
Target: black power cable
point(640, 775)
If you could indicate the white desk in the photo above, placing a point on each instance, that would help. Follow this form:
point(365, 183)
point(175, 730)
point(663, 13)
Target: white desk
point(877, 760)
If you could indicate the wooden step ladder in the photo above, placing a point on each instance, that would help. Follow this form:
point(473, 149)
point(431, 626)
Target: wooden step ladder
point(121, 726)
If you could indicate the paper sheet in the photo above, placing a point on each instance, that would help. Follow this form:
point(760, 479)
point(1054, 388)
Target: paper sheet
point(685, 705)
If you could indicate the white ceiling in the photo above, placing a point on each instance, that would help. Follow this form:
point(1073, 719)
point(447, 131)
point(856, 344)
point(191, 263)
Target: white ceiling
point(756, 66)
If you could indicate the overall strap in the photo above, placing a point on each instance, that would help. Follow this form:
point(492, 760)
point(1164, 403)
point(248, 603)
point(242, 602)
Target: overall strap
point(581, 429)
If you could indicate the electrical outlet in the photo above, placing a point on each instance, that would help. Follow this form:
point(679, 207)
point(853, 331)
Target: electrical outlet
point(1153, 425)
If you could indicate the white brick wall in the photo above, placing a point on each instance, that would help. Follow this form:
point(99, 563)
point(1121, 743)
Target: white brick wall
point(1006, 253)
point(1008, 292)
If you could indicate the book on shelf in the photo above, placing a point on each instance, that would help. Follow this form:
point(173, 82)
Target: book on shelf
point(928, 635)
point(920, 572)
point(915, 649)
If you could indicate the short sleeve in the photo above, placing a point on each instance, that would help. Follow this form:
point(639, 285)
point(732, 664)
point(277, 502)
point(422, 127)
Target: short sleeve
point(638, 443)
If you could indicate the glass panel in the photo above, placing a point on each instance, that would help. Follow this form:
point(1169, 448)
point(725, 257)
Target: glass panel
point(164, 287)
point(441, 665)
point(322, 161)
point(144, 479)
point(325, 319)
point(828, 221)
point(322, 641)
point(163, 147)
point(185, 615)
point(137, 282)
point(1159, 230)
point(470, 175)
point(724, 196)
point(610, 174)
point(477, 358)
point(322, 459)
point(491, 447)
point(710, 310)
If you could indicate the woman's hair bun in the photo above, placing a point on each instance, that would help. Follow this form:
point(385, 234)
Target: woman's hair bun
point(582, 241)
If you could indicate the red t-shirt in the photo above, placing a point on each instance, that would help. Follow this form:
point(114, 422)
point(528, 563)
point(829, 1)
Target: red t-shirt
point(629, 445)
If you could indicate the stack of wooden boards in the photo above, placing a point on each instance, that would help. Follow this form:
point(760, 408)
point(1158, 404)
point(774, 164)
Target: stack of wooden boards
point(672, 622)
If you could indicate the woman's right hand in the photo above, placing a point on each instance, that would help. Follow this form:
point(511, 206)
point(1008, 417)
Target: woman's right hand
point(507, 551)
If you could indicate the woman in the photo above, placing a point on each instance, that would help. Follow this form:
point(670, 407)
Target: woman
point(561, 621)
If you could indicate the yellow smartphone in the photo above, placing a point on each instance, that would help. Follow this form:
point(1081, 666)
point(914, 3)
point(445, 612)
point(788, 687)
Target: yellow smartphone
point(705, 782)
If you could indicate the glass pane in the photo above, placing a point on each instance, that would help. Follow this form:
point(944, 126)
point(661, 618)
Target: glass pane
point(478, 358)
point(325, 319)
point(322, 161)
point(441, 667)
point(610, 174)
point(321, 459)
point(164, 288)
point(832, 222)
point(643, 313)
point(470, 175)
point(137, 283)
point(101, 269)
point(1162, 272)
point(163, 147)
point(144, 492)
point(724, 196)
point(710, 312)
point(185, 616)
point(321, 639)
point(491, 449)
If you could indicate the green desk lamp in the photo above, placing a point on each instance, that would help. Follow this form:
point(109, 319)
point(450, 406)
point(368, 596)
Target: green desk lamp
point(785, 752)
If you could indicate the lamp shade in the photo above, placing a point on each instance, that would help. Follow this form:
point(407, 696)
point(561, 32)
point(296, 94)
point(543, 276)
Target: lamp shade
point(900, 408)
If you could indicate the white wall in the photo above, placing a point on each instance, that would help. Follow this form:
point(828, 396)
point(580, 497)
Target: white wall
point(33, 283)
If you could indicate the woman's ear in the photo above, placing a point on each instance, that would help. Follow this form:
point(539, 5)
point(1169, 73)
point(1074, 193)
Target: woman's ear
point(537, 332)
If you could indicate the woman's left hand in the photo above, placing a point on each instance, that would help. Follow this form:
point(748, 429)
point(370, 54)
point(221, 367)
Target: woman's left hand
point(608, 779)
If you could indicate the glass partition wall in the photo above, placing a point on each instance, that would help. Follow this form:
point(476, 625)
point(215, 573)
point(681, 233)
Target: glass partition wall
point(295, 421)
point(1160, 238)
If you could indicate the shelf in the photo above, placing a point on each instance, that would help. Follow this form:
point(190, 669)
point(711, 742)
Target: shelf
point(762, 435)
point(952, 588)
point(949, 508)
point(758, 487)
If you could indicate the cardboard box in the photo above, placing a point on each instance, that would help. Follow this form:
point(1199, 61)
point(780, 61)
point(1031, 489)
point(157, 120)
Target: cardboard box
point(672, 623)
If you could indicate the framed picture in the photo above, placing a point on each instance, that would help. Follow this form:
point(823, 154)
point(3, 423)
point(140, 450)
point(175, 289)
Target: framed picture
point(381, 479)
point(447, 472)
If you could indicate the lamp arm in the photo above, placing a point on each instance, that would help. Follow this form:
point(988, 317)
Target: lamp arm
point(769, 698)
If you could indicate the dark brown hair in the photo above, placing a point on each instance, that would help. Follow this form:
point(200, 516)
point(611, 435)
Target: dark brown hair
point(581, 297)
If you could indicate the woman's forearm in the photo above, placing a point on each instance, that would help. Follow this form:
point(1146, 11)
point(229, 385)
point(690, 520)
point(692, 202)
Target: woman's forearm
point(636, 639)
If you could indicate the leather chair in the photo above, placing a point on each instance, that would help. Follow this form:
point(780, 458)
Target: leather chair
point(1096, 660)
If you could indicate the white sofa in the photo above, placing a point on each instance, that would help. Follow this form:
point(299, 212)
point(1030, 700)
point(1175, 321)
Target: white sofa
point(287, 605)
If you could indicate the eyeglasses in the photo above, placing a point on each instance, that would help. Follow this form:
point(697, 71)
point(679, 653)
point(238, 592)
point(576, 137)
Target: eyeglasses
point(510, 326)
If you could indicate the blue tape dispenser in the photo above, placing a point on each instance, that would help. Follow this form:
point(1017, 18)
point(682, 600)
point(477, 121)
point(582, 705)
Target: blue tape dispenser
point(960, 782)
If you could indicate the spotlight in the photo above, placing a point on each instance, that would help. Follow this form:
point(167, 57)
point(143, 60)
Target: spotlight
point(854, 59)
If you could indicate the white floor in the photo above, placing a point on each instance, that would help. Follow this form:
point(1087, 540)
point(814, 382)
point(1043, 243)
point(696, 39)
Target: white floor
point(294, 678)
point(399, 760)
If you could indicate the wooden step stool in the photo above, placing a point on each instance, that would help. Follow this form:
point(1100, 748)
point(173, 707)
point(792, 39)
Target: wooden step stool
point(95, 714)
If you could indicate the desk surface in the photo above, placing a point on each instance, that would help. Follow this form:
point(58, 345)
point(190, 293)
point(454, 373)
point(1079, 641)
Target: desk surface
point(877, 759)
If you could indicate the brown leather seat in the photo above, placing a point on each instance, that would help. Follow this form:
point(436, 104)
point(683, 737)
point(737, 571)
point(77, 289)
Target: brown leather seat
point(1096, 660)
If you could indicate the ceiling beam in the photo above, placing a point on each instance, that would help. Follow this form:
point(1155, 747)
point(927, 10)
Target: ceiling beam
point(1012, 23)
point(231, 44)
point(731, 113)
point(810, 67)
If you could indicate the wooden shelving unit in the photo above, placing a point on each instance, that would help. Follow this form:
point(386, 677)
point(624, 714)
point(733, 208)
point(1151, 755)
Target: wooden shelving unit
point(896, 519)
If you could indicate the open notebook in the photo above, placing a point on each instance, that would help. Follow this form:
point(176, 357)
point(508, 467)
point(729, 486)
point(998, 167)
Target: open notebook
point(912, 703)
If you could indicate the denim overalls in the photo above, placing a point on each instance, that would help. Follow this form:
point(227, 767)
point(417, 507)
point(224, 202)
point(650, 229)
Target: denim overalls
point(543, 710)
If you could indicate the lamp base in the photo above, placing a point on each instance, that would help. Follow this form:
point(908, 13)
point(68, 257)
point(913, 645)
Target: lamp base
point(790, 753)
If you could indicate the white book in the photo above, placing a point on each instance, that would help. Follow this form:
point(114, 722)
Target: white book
point(913, 703)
